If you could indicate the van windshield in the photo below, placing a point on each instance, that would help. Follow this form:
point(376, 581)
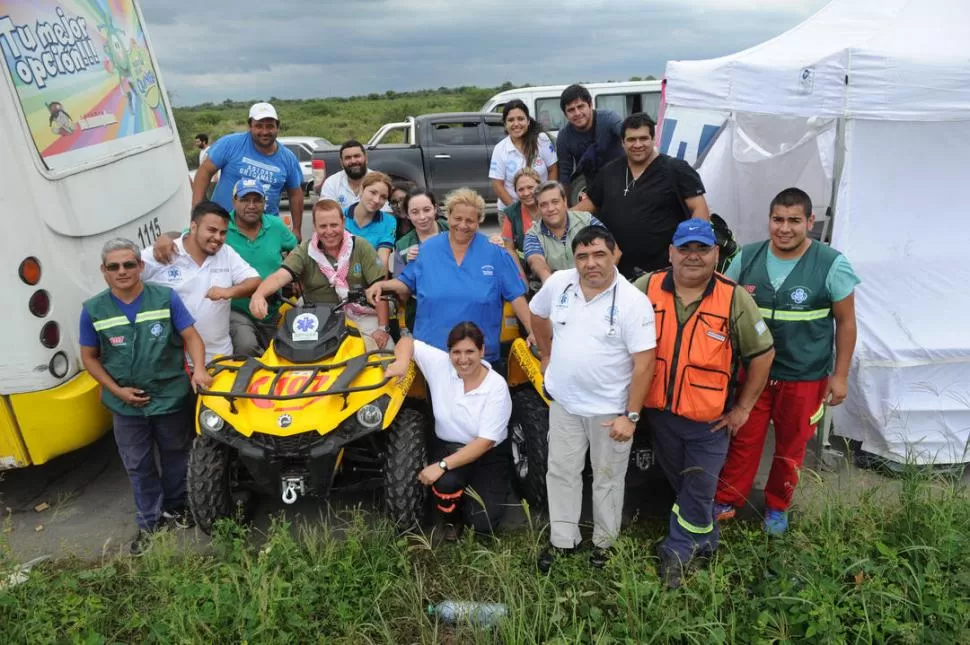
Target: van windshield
point(84, 80)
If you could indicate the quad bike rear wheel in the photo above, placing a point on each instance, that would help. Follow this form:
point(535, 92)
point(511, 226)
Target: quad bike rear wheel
point(529, 432)
point(404, 457)
point(209, 491)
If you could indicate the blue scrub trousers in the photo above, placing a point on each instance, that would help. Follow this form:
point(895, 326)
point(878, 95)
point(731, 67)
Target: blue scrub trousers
point(691, 457)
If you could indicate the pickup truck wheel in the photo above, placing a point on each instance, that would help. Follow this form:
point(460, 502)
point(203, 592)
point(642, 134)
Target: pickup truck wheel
point(578, 186)
point(209, 482)
point(404, 457)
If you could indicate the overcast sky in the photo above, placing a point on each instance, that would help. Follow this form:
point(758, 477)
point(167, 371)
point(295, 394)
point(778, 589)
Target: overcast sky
point(210, 50)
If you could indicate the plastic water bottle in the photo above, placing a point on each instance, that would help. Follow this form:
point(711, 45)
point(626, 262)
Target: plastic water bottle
point(482, 614)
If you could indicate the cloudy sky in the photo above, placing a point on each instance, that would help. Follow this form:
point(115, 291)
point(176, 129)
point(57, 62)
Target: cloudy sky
point(210, 50)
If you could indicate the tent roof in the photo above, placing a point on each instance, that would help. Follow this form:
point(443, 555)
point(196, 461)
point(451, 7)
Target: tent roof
point(895, 59)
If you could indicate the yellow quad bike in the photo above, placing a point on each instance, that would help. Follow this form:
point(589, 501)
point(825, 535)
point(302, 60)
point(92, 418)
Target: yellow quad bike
point(313, 414)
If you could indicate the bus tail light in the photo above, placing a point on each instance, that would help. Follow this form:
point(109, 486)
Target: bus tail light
point(59, 365)
point(30, 270)
point(40, 303)
point(50, 335)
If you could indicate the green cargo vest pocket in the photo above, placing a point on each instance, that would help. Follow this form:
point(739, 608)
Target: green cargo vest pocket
point(703, 393)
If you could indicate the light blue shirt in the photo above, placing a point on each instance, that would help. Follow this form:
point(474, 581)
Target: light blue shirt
point(236, 157)
point(448, 294)
point(380, 231)
point(840, 281)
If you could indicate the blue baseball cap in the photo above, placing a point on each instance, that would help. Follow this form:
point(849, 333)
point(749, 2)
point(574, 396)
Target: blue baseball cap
point(247, 186)
point(694, 230)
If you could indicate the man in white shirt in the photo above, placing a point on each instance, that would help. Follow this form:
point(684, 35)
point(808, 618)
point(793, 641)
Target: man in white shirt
point(596, 334)
point(344, 187)
point(207, 274)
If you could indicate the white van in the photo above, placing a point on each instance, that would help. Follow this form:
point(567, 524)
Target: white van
point(543, 101)
point(89, 152)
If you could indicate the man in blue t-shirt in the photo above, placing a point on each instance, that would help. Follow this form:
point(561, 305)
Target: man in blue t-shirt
point(590, 139)
point(256, 155)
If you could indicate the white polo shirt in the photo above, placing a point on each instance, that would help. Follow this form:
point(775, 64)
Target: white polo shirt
point(590, 370)
point(507, 160)
point(337, 188)
point(461, 416)
point(191, 281)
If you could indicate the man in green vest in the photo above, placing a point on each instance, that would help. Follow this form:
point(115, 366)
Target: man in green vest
point(133, 337)
point(805, 291)
point(548, 243)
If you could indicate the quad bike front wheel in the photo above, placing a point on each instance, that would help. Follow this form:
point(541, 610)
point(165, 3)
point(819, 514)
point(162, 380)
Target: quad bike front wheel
point(529, 432)
point(404, 457)
point(209, 491)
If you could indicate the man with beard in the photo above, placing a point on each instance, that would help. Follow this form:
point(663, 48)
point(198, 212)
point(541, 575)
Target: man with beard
point(344, 187)
point(255, 155)
point(643, 196)
point(206, 273)
point(261, 240)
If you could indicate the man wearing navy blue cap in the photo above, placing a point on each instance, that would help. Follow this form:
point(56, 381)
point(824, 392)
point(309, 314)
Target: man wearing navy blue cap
point(706, 327)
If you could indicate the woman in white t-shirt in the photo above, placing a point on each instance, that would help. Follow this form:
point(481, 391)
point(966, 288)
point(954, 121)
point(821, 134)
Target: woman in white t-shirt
point(527, 146)
point(472, 407)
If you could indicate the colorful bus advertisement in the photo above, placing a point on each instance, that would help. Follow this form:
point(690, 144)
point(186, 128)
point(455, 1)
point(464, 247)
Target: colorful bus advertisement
point(84, 78)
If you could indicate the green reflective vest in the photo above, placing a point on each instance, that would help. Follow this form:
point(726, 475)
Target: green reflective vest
point(147, 354)
point(799, 313)
point(559, 252)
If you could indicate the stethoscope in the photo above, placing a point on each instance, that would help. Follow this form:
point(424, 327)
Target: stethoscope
point(612, 331)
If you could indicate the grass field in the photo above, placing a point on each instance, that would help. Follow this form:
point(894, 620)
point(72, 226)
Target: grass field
point(886, 563)
point(335, 119)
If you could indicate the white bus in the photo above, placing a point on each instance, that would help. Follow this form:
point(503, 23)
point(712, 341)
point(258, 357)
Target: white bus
point(89, 152)
point(543, 101)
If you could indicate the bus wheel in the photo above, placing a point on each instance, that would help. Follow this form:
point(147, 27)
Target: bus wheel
point(209, 482)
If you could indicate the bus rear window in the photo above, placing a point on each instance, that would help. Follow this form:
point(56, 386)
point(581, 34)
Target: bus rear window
point(84, 79)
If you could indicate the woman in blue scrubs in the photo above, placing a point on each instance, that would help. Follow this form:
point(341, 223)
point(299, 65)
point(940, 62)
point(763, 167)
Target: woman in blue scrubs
point(460, 276)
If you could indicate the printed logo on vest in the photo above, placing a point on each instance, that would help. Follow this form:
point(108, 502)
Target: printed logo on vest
point(716, 336)
point(156, 330)
point(174, 274)
point(117, 341)
point(799, 295)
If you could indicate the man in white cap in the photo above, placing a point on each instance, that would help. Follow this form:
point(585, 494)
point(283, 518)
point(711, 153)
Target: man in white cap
point(254, 155)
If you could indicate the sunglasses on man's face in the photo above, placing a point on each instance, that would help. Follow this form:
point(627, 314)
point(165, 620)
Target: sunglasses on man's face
point(114, 267)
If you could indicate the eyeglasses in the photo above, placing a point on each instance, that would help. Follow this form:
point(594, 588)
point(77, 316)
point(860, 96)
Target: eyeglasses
point(114, 267)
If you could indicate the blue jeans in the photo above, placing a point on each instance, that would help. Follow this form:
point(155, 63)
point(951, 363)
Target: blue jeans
point(691, 457)
point(137, 438)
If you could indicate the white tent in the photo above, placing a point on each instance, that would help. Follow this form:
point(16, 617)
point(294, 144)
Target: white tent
point(869, 101)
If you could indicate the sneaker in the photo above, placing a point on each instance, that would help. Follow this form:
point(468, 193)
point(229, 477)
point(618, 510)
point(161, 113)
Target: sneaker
point(723, 512)
point(179, 518)
point(776, 522)
point(671, 570)
point(599, 557)
point(548, 557)
point(142, 542)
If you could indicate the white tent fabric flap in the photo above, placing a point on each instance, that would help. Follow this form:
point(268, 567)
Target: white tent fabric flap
point(882, 92)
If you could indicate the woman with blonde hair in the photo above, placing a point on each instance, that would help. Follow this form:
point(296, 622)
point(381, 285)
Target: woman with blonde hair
point(365, 218)
point(460, 276)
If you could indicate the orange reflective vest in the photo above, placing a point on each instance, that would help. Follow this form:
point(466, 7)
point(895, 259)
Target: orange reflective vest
point(695, 360)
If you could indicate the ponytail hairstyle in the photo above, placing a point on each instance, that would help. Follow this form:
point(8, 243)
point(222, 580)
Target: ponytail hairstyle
point(530, 140)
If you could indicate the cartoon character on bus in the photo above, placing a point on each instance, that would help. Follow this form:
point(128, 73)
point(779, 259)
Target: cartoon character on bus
point(131, 63)
point(60, 121)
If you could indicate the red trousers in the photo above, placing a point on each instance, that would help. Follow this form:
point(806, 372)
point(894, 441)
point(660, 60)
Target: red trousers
point(795, 408)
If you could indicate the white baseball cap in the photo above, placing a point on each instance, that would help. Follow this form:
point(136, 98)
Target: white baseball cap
point(261, 111)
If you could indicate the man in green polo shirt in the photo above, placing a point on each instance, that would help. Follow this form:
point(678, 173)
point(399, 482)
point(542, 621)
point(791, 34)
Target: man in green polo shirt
point(328, 266)
point(261, 240)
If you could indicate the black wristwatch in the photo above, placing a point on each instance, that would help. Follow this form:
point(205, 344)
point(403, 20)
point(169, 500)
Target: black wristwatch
point(443, 465)
point(632, 416)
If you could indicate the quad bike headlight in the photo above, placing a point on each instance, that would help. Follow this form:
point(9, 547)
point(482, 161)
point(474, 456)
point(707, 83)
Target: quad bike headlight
point(370, 416)
point(211, 421)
